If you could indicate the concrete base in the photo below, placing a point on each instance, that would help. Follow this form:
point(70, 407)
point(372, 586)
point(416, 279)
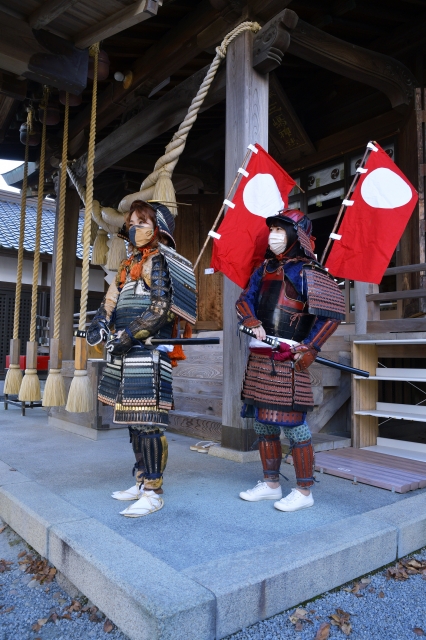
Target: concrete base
point(204, 552)
point(87, 432)
point(234, 456)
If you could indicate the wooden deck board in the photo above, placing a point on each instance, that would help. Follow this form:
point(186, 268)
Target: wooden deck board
point(376, 469)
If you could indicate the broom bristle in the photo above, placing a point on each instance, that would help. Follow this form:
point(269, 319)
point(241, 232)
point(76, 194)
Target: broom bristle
point(165, 191)
point(30, 387)
point(116, 254)
point(13, 380)
point(100, 248)
point(80, 396)
point(54, 394)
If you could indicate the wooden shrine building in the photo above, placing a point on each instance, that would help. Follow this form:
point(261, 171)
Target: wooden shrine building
point(313, 86)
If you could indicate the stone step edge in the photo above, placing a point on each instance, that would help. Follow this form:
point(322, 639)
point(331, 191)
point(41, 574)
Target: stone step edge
point(234, 591)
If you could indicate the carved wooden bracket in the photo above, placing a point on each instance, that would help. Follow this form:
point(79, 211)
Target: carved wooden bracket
point(287, 33)
point(272, 41)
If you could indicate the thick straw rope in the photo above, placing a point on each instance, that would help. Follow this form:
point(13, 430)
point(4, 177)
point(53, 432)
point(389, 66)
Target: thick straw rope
point(21, 239)
point(165, 165)
point(54, 390)
point(89, 197)
point(40, 197)
point(13, 378)
point(80, 397)
point(30, 387)
point(61, 226)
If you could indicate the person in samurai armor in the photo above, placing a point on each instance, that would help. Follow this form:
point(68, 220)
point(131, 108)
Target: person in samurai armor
point(153, 286)
point(291, 297)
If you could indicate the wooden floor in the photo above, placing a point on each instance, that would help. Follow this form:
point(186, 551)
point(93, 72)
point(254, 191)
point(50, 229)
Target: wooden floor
point(376, 469)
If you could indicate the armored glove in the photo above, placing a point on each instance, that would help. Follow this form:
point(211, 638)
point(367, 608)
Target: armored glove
point(309, 353)
point(118, 346)
point(98, 331)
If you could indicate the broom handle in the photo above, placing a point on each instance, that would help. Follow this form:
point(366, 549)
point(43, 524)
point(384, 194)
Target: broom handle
point(342, 207)
point(221, 209)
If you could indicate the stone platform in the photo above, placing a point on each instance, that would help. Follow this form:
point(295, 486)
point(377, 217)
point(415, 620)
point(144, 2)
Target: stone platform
point(208, 563)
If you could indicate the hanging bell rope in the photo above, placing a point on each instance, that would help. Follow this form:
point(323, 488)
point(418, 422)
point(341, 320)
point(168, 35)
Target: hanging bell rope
point(109, 252)
point(30, 387)
point(80, 397)
point(54, 391)
point(158, 185)
point(13, 380)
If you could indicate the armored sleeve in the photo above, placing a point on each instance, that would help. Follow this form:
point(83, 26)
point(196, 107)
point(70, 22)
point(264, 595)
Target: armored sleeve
point(245, 304)
point(156, 315)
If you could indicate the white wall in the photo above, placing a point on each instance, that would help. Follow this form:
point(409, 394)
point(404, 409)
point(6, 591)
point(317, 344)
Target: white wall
point(8, 267)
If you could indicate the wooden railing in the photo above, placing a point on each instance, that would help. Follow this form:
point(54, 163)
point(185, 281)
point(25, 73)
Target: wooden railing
point(368, 299)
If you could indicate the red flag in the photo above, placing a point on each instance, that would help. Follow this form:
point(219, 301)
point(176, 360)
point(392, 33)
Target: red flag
point(383, 201)
point(243, 233)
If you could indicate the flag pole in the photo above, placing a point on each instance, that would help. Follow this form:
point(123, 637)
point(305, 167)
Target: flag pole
point(215, 223)
point(343, 206)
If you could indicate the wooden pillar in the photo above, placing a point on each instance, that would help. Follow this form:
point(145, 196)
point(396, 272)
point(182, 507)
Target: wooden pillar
point(72, 208)
point(246, 123)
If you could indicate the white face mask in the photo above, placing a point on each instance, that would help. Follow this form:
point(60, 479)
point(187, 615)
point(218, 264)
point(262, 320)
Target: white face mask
point(277, 242)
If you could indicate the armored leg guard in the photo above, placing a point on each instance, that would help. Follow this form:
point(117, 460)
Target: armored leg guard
point(271, 456)
point(139, 466)
point(154, 449)
point(303, 459)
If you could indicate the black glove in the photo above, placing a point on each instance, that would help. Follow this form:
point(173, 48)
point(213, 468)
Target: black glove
point(97, 332)
point(119, 346)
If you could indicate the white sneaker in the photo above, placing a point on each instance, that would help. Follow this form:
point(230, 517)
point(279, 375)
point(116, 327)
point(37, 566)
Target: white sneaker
point(148, 503)
point(294, 501)
point(134, 493)
point(261, 492)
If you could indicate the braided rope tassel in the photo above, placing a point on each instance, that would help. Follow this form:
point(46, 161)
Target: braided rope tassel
point(30, 387)
point(54, 391)
point(164, 166)
point(80, 397)
point(13, 380)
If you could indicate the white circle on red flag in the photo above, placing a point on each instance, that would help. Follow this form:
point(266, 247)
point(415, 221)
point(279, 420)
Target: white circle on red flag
point(385, 189)
point(262, 197)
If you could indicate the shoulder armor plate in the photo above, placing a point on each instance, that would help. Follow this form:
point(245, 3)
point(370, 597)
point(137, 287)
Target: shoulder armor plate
point(184, 286)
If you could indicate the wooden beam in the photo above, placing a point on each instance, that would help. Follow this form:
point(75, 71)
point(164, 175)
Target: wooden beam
point(410, 268)
point(357, 63)
point(12, 87)
point(204, 27)
point(48, 11)
point(170, 53)
point(157, 118)
point(246, 123)
point(189, 167)
point(350, 139)
point(127, 17)
point(396, 295)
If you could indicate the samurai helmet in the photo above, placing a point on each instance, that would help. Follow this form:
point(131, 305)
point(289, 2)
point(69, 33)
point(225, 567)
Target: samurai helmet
point(301, 224)
point(165, 222)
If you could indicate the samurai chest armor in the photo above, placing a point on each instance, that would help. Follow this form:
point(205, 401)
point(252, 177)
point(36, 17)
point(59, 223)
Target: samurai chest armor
point(279, 310)
point(133, 300)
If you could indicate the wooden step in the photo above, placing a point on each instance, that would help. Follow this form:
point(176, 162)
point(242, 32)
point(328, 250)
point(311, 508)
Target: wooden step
point(196, 425)
point(376, 469)
point(201, 403)
point(412, 412)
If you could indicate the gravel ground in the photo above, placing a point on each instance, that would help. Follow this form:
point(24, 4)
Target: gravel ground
point(380, 608)
point(30, 610)
point(375, 607)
